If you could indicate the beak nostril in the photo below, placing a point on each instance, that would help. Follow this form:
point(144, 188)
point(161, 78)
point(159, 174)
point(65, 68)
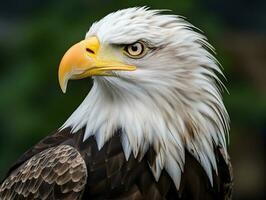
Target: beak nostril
point(90, 51)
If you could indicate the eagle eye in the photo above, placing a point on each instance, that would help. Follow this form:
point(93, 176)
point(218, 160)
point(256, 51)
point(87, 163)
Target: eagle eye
point(135, 50)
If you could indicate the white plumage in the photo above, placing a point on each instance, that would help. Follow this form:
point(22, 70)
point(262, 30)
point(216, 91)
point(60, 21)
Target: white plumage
point(171, 102)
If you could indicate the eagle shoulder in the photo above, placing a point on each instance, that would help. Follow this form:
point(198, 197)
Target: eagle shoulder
point(55, 173)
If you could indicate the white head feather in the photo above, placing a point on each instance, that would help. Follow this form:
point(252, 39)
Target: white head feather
point(172, 102)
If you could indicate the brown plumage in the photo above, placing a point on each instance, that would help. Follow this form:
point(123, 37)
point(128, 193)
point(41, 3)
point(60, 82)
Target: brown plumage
point(55, 173)
point(61, 166)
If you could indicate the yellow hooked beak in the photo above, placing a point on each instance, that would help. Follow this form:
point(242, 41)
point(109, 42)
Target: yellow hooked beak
point(83, 60)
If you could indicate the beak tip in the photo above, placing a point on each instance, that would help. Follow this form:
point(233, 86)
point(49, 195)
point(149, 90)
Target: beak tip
point(63, 86)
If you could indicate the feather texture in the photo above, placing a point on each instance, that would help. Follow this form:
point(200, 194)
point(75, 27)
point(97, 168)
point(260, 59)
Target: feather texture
point(55, 173)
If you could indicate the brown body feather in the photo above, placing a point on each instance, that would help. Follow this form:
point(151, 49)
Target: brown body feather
point(62, 166)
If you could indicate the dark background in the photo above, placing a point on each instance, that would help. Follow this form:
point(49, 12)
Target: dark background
point(34, 35)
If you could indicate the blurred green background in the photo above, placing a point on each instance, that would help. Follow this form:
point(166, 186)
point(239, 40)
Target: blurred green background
point(34, 35)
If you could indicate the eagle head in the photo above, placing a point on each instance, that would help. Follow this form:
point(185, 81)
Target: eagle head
point(155, 79)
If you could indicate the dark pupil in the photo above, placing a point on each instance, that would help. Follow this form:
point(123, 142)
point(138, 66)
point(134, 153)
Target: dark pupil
point(134, 48)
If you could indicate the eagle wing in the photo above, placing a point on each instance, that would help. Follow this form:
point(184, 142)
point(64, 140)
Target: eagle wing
point(58, 167)
point(55, 173)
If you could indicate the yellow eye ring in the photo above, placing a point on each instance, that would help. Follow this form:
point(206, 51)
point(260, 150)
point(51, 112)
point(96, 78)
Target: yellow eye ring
point(135, 50)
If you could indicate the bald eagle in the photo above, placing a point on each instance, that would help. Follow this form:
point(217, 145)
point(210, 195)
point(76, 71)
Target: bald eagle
point(153, 125)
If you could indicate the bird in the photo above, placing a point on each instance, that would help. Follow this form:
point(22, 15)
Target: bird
point(153, 125)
